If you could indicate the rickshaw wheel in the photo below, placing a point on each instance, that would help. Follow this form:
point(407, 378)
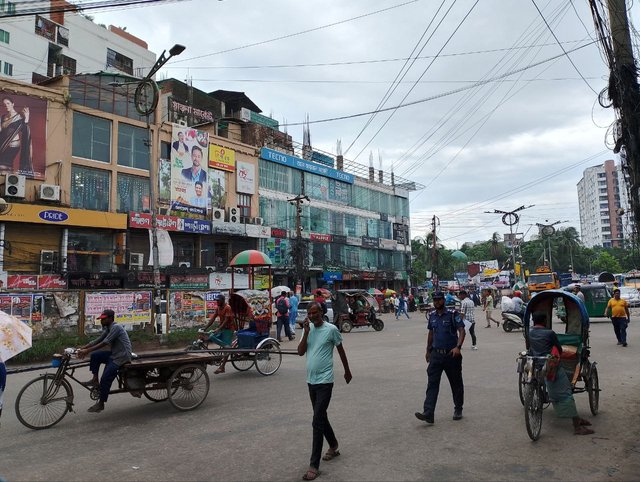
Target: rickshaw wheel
point(593, 389)
point(155, 389)
point(521, 387)
point(43, 402)
point(269, 358)
point(378, 325)
point(240, 362)
point(346, 326)
point(533, 410)
point(188, 387)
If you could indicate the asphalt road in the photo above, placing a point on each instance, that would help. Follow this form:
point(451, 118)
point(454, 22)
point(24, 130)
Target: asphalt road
point(253, 427)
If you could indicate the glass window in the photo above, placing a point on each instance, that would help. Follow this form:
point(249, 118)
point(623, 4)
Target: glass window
point(133, 150)
point(119, 61)
point(89, 251)
point(8, 68)
point(4, 36)
point(280, 178)
point(133, 193)
point(244, 203)
point(90, 188)
point(350, 225)
point(91, 137)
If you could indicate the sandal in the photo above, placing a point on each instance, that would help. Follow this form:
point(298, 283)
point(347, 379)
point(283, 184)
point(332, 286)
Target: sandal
point(581, 430)
point(311, 474)
point(219, 371)
point(330, 454)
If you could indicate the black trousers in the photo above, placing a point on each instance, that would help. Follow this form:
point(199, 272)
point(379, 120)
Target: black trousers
point(452, 366)
point(472, 332)
point(320, 395)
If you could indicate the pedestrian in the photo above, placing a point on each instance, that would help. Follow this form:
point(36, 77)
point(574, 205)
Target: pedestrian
point(467, 314)
point(317, 342)
point(578, 292)
point(293, 312)
point(476, 298)
point(3, 383)
point(445, 340)
point(396, 304)
point(488, 308)
point(282, 307)
point(618, 310)
point(402, 306)
point(116, 336)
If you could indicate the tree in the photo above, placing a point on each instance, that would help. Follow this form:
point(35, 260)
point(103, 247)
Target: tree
point(606, 262)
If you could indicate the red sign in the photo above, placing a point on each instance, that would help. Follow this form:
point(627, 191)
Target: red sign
point(278, 233)
point(321, 238)
point(144, 221)
point(368, 275)
point(140, 220)
point(20, 281)
point(52, 282)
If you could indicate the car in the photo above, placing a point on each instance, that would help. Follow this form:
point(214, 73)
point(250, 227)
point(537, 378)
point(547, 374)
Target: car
point(631, 296)
point(302, 312)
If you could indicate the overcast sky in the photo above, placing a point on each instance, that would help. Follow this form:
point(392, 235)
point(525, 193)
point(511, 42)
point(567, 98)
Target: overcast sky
point(522, 139)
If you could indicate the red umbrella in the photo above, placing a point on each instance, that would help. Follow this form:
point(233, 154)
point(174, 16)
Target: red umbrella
point(250, 257)
point(324, 291)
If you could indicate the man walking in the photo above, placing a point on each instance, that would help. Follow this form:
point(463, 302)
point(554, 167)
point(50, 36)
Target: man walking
point(318, 340)
point(618, 310)
point(466, 312)
point(282, 307)
point(293, 312)
point(446, 336)
point(402, 306)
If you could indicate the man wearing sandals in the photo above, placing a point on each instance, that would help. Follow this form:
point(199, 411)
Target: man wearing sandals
point(223, 335)
point(318, 340)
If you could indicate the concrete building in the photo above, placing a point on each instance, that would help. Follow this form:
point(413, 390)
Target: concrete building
point(604, 207)
point(34, 48)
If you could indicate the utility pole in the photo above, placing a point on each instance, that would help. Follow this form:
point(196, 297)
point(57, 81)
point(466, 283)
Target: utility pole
point(299, 253)
point(546, 231)
point(435, 221)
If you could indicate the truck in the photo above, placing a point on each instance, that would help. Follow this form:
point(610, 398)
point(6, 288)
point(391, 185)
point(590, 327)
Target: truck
point(543, 279)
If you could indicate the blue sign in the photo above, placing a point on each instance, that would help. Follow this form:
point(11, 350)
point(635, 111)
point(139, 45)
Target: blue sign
point(196, 226)
point(321, 158)
point(303, 165)
point(332, 276)
point(53, 216)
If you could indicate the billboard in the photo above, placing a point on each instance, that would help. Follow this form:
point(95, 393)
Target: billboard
point(23, 135)
point(189, 177)
point(218, 188)
point(245, 178)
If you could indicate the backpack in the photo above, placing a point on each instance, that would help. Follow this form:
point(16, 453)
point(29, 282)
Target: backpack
point(323, 305)
point(281, 305)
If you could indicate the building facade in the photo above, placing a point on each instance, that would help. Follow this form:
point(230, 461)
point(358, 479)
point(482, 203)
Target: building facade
point(603, 205)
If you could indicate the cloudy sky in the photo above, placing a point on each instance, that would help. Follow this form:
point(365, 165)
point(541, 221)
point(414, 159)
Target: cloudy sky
point(522, 136)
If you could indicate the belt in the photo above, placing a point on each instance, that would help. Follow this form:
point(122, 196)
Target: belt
point(440, 351)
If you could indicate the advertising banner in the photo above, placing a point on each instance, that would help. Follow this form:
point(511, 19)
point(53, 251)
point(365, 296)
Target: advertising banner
point(246, 178)
point(320, 238)
point(258, 231)
point(27, 308)
point(51, 282)
point(354, 241)
point(22, 282)
point(129, 307)
point(388, 244)
point(101, 281)
point(369, 242)
point(218, 188)
point(401, 233)
point(189, 179)
point(339, 238)
point(23, 137)
point(189, 281)
point(222, 158)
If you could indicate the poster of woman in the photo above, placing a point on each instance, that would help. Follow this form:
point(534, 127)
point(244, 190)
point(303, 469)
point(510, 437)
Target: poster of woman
point(22, 135)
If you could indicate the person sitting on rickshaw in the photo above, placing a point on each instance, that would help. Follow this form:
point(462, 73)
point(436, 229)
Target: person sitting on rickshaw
point(542, 340)
point(223, 335)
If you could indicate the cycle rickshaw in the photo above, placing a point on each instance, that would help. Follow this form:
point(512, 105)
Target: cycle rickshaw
point(575, 359)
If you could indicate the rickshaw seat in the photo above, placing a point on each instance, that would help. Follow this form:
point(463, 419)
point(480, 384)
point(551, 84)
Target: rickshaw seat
point(572, 340)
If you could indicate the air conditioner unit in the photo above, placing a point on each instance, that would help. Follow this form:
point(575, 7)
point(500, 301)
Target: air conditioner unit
point(49, 192)
point(48, 261)
point(258, 221)
point(234, 215)
point(136, 261)
point(217, 215)
point(15, 185)
point(184, 264)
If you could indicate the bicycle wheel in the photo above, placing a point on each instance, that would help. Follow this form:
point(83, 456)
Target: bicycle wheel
point(188, 387)
point(43, 402)
point(155, 389)
point(593, 389)
point(241, 361)
point(533, 409)
point(269, 358)
point(521, 387)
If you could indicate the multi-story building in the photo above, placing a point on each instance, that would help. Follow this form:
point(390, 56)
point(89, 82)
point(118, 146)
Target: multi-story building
point(603, 205)
point(37, 47)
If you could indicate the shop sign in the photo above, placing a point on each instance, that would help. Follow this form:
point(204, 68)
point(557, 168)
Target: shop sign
point(257, 231)
point(356, 276)
point(247, 115)
point(129, 306)
point(339, 238)
point(321, 238)
point(346, 276)
point(222, 281)
point(189, 281)
point(222, 158)
point(368, 275)
point(51, 282)
point(304, 165)
point(382, 275)
point(228, 228)
point(369, 242)
point(401, 233)
point(22, 282)
point(322, 158)
point(354, 241)
point(178, 109)
point(144, 279)
point(246, 178)
point(169, 223)
point(196, 226)
point(31, 213)
point(332, 276)
point(399, 275)
point(388, 244)
point(278, 233)
point(53, 215)
point(100, 281)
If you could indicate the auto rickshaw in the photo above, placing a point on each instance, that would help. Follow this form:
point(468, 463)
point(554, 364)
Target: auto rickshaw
point(353, 308)
point(596, 297)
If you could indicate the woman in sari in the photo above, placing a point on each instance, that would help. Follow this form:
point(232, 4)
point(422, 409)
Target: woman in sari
point(15, 138)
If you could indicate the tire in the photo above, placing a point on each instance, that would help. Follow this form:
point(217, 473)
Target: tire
point(240, 363)
point(155, 389)
point(593, 389)
point(378, 325)
point(346, 326)
point(42, 403)
point(506, 326)
point(269, 358)
point(521, 387)
point(189, 386)
point(533, 405)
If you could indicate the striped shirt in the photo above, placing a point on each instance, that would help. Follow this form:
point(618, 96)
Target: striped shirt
point(467, 308)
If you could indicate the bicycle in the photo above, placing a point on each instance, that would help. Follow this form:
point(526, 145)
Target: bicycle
point(532, 372)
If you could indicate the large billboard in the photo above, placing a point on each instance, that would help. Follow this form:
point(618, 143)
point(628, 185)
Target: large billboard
point(23, 136)
point(189, 165)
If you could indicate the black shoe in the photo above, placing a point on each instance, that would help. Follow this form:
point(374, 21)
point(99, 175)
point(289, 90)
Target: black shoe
point(291, 338)
point(424, 417)
point(90, 384)
point(98, 407)
point(624, 344)
point(457, 414)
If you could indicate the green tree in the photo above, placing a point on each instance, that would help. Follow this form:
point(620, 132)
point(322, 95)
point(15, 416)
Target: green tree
point(606, 262)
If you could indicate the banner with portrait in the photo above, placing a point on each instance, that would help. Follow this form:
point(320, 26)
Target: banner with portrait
point(218, 188)
point(189, 165)
point(23, 135)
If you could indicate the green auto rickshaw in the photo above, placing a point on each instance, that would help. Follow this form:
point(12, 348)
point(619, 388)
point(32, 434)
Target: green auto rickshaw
point(596, 297)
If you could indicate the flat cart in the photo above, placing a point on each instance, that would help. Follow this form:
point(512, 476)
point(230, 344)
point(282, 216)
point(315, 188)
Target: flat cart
point(179, 377)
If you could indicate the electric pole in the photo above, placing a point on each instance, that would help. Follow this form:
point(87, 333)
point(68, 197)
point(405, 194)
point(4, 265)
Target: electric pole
point(435, 221)
point(299, 251)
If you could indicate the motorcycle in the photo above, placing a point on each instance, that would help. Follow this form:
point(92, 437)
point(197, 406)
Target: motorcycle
point(512, 321)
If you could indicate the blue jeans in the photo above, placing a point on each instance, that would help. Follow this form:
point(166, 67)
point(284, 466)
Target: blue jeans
point(620, 328)
point(283, 321)
point(452, 366)
point(320, 395)
point(108, 375)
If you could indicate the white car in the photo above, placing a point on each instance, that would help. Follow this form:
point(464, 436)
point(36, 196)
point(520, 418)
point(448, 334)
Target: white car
point(302, 312)
point(631, 296)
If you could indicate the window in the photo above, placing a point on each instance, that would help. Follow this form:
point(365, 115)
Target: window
point(132, 146)
point(244, 203)
point(89, 251)
point(279, 178)
point(4, 36)
point(11, 8)
point(119, 61)
point(91, 137)
point(133, 193)
point(90, 188)
point(8, 68)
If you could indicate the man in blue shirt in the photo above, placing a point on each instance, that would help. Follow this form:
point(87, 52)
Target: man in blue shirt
point(446, 336)
point(318, 340)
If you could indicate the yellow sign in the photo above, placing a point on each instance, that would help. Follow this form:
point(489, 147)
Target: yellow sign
point(222, 158)
point(261, 281)
point(32, 213)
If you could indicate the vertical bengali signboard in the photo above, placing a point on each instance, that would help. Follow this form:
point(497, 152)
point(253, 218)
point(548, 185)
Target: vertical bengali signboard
point(129, 307)
point(246, 178)
point(189, 170)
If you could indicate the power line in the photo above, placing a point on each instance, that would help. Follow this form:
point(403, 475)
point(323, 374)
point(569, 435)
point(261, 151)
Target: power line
point(67, 7)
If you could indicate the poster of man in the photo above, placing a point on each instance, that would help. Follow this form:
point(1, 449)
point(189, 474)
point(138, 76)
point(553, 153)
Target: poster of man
point(189, 180)
point(23, 122)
